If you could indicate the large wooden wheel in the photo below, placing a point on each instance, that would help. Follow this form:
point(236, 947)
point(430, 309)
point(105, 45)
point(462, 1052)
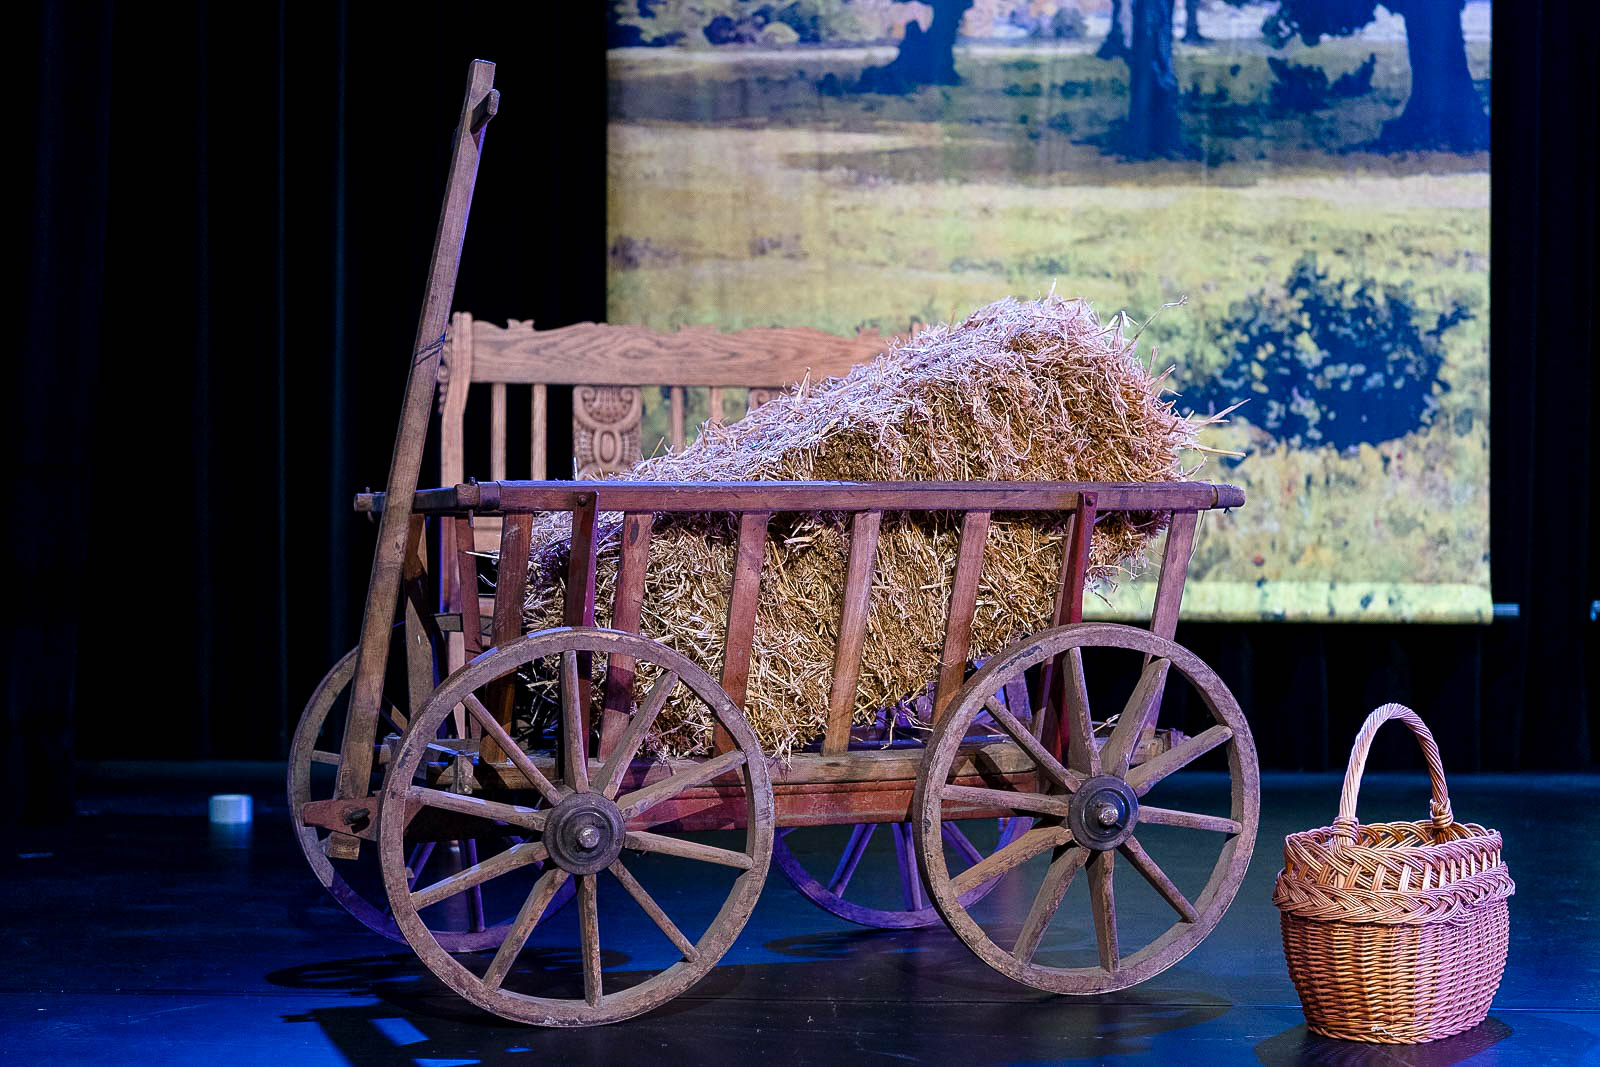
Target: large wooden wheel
point(357, 885)
point(585, 829)
point(830, 874)
point(1088, 811)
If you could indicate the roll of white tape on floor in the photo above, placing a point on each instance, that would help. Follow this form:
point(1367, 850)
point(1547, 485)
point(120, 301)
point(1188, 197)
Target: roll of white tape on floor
point(230, 809)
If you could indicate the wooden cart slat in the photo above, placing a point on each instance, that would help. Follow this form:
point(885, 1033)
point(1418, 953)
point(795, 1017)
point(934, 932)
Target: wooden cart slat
point(741, 626)
point(958, 614)
point(853, 605)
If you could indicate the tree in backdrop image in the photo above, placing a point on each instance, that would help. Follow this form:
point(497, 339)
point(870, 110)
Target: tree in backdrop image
point(924, 58)
point(1443, 110)
point(1311, 178)
point(1143, 39)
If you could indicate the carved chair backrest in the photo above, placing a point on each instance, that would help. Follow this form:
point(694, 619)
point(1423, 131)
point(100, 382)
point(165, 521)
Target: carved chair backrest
point(607, 368)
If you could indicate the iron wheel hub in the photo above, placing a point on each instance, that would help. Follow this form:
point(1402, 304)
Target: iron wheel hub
point(584, 833)
point(1104, 811)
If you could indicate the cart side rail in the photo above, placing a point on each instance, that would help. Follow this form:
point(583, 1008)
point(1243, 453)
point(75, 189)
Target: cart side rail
point(737, 497)
point(639, 503)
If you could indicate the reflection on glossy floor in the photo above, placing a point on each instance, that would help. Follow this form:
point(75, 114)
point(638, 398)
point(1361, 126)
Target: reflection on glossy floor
point(136, 933)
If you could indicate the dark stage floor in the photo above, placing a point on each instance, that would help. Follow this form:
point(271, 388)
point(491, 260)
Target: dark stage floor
point(135, 936)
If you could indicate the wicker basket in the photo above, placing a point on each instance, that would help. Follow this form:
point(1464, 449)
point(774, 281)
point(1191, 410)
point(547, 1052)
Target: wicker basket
point(1395, 932)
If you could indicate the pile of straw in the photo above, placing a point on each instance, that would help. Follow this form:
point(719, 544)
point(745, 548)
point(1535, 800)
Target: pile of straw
point(1020, 391)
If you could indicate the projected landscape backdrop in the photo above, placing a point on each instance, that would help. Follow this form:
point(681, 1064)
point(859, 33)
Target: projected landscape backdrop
point(1311, 178)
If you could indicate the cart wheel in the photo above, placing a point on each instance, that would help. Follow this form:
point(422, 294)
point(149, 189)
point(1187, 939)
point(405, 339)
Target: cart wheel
point(357, 885)
point(1087, 812)
point(917, 911)
point(560, 980)
point(900, 904)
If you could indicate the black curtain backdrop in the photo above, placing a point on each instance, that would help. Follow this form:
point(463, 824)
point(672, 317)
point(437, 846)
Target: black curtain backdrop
point(230, 217)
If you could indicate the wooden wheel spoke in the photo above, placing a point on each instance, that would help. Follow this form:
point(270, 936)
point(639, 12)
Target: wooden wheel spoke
point(910, 875)
point(609, 780)
point(958, 840)
point(642, 800)
point(1020, 851)
point(469, 849)
point(391, 714)
point(515, 814)
point(1103, 905)
point(573, 743)
point(1008, 799)
point(652, 909)
point(479, 873)
point(533, 909)
point(1082, 755)
point(589, 937)
point(444, 750)
point(854, 849)
point(331, 758)
point(1045, 903)
point(1139, 713)
point(644, 841)
point(1189, 820)
point(1158, 878)
point(416, 862)
point(1023, 736)
point(1147, 774)
point(492, 729)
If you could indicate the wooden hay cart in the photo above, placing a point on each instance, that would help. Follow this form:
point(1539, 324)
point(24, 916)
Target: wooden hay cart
point(492, 794)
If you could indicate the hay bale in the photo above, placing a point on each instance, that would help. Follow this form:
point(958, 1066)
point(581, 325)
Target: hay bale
point(1019, 391)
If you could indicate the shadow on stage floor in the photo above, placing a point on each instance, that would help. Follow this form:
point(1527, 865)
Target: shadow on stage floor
point(400, 1005)
point(136, 932)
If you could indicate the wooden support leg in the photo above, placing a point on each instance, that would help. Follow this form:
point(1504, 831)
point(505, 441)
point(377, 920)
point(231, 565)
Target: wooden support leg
point(466, 645)
point(677, 418)
point(1069, 609)
point(450, 595)
point(864, 526)
point(419, 644)
point(1169, 598)
point(963, 602)
point(467, 590)
point(625, 616)
point(742, 614)
point(510, 589)
point(579, 609)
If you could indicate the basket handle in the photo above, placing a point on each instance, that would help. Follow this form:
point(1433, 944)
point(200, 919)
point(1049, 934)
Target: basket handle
point(1345, 824)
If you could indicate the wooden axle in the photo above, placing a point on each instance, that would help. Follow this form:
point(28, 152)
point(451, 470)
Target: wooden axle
point(813, 789)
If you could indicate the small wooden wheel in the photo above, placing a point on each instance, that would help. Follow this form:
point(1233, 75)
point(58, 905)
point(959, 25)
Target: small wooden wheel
point(876, 909)
point(903, 903)
point(1087, 811)
point(357, 885)
point(585, 830)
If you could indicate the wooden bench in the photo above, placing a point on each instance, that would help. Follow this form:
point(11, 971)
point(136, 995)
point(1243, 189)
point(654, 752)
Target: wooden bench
point(608, 367)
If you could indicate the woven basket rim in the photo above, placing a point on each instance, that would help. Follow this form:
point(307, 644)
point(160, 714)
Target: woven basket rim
point(1321, 879)
point(1361, 905)
point(1329, 841)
